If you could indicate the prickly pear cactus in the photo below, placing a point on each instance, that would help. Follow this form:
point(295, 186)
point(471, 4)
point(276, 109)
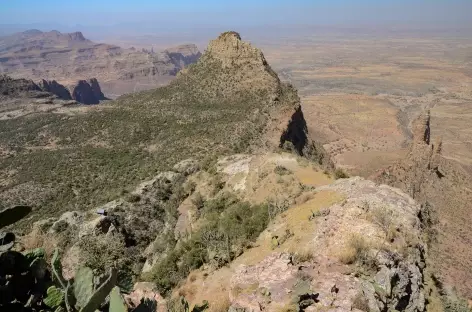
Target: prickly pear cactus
point(116, 301)
point(34, 254)
point(39, 268)
point(100, 295)
point(83, 286)
point(56, 268)
point(55, 297)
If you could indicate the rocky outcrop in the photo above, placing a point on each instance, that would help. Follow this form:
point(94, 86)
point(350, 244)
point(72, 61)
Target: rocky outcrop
point(385, 273)
point(97, 91)
point(233, 68)
point(445, 186)
point(56, 88)
point(10, 87)
point(87, 92)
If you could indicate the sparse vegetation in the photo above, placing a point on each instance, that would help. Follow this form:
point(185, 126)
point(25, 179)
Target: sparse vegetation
point(304, 255)
point(357, 250)
point(229, 226)
point(101, 151)
point(360, 303)
point(281, 170)
point(340, 174)
point(383, 217)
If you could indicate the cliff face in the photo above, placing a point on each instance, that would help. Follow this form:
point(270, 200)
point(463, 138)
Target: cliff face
point(444, 185)
point(183, 55)
point(392, 276)
point(232, 68)
point(10, 87)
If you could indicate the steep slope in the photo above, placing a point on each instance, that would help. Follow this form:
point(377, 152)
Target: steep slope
point(444, 185)
point(223, 213)
point(70, 57)
point(229, 101)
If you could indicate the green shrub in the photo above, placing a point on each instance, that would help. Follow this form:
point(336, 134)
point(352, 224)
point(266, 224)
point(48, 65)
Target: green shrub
point(198, 201)
point(228, 225)
point(281, 170)
point(340, 174)
point(133, 198)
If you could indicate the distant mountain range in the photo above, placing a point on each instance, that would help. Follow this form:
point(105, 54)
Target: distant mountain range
point(68, 57)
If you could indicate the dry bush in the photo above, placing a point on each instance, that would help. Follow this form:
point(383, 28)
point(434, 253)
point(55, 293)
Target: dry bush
point(39, 239)
point(340, 174)
point(222, 304)
point(357, 250)
point(281, 170)
point(360, 303)
point(383, 217)
point(304, 255)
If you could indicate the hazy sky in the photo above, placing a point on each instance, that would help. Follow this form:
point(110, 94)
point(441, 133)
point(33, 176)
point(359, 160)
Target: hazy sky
point(191, 13)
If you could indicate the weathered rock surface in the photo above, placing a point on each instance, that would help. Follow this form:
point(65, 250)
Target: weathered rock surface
point(384, 278)
point(10, 87)
point(445, 186)
point(145, 291)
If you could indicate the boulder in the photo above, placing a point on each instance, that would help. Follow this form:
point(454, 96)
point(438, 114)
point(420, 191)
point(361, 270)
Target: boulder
point(145, 291)
point(186, 167)
point(66, 221)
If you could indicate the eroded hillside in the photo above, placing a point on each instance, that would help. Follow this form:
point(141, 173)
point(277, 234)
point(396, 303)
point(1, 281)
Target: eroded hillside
point(238, 206)
point(77, 158)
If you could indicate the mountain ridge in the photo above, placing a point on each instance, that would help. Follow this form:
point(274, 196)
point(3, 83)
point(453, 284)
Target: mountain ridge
point(68, 57)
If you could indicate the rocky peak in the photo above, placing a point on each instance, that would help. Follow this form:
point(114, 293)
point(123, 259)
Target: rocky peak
point(97, 91)
point(87, 92)
point(423, 153)
point(16, 87)
point(76, 36)
point(231, 51)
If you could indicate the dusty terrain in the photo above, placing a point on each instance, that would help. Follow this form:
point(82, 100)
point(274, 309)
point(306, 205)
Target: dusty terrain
point(361, 91)
point(360, 94)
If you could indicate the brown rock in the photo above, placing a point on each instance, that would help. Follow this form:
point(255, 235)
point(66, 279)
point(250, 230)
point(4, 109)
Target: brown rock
point(142, 291)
